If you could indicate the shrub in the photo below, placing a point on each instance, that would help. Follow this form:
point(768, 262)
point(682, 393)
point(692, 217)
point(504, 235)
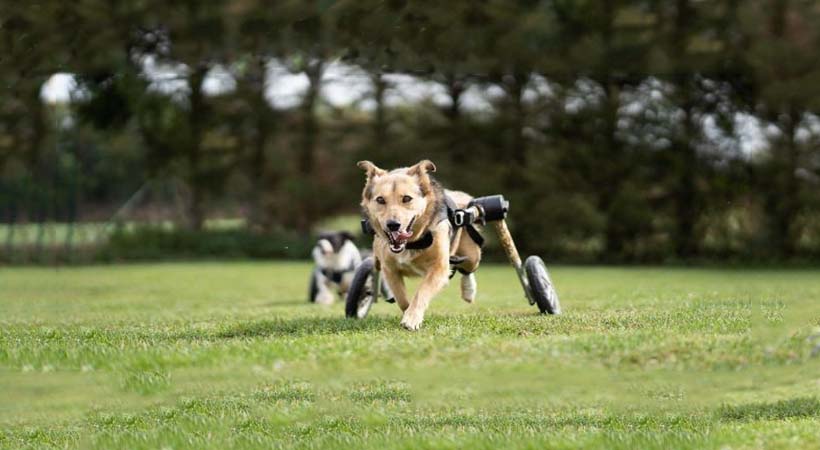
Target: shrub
point(155, 244)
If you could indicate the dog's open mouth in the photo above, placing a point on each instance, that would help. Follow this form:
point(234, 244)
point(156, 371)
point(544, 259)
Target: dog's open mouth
point(398, 239)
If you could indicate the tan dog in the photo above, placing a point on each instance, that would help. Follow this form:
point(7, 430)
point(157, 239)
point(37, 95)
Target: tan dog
point(413, 237)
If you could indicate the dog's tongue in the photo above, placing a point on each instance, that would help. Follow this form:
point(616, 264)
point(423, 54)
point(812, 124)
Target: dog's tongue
point(400, 236)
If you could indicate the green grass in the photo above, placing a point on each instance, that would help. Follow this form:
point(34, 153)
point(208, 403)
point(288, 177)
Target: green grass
point(231, 356)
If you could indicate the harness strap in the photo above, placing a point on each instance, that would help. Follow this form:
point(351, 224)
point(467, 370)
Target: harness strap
point(475, 235)
point(425, 241)
point(471, 230)
point(447, 212)
point(337, 275)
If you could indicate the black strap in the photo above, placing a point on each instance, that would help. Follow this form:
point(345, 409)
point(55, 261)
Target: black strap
point(475, 235)
point(471, 230)
point(450, 210)
point(425, 241)
point(447, 213)
point(455, 261)
point(336, 275)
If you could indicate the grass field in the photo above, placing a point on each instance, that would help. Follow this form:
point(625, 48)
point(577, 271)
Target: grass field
point(230, 355)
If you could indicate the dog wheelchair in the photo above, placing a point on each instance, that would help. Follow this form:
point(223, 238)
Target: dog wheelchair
point(532, 273)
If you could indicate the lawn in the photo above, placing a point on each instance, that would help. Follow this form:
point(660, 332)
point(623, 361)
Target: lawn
point(213, 355)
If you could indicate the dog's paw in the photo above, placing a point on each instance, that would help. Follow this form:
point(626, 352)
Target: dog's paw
point(411, 320)
point(324, 298)
point(468, 288)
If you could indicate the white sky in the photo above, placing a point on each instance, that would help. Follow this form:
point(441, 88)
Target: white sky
point(349, 86)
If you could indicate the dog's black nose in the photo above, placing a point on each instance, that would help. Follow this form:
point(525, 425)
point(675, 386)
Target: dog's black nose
point(392, 225)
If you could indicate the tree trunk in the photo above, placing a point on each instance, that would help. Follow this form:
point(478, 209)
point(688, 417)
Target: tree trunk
point(32, 141)
point(686, 195)
point(518, 144)
point(40, 182)
point(196, 114)
point(513, 121)
point(785, 202)
point(308, 202)
point(455, 142)
point(780, 9)
point(380, 122)
point(261, 133)
point(455, 89)
point(380, 114)
point(609, 178)
point(310, 127)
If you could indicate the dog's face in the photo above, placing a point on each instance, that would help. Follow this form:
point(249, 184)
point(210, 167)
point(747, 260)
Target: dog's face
point(330, 243)
point(396, 200)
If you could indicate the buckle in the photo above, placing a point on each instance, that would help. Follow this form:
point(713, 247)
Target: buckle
point(458, 218)
point(462, 218)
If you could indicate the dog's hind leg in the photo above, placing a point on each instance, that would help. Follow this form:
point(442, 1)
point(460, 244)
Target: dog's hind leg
point(468, 287)
point(470, 253)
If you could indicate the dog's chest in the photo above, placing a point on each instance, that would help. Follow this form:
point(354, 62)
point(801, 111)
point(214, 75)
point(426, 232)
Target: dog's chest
point(408, 265)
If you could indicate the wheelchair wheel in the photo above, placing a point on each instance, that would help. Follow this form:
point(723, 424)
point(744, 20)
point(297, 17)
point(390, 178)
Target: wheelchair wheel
point(541, 288)
point(360, 296)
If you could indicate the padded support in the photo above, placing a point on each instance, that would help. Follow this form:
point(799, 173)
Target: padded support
point(494, 207)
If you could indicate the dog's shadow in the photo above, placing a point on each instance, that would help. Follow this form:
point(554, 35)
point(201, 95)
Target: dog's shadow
point(286, 304)
point(306, 326)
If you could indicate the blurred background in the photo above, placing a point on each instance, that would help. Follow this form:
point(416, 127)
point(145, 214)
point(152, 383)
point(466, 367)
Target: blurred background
point(653, 131)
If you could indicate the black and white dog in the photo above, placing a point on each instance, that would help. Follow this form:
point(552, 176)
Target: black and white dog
point(336, 258)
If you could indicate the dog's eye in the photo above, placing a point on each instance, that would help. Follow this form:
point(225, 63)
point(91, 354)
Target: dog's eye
point(380, 200)
point(406, 199)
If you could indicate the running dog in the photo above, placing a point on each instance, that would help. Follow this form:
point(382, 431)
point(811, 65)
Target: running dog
point(408, 211)
point(336, 258)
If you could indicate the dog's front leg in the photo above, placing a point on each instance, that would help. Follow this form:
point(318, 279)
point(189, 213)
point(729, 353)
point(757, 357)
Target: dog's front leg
point(396, 284)
point(323, 296)
point(430, 285)
point(434, 281)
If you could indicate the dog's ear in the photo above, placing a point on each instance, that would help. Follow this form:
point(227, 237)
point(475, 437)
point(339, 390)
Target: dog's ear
point(347, 236)
point(422, 167)
point(370, 169)
point(372, 172)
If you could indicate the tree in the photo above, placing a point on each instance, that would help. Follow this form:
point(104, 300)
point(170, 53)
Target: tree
point(607, 49)
point(258, 41)
point(786, 69)
point(191, 33)
point(31, 49)
point(695, 62)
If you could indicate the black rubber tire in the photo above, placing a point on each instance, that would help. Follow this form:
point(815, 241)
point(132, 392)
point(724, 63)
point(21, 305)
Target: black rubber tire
point(314, 288)
point(387, 294)
point(359, 296)
point(541, 286)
